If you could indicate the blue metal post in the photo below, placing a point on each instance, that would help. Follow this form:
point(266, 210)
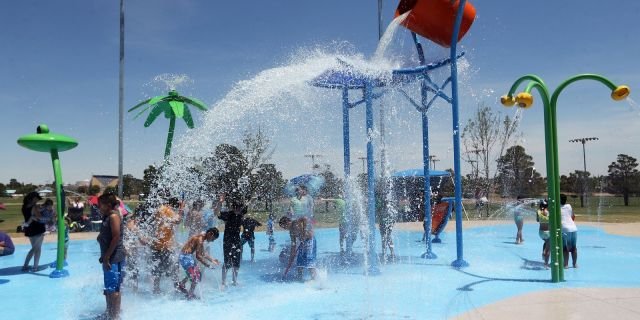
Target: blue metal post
point(459, 262)
point(371, 184)
point(427, 182)
point(347, 166)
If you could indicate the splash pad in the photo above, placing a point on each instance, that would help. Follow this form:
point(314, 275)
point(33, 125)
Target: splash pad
point(289, 90)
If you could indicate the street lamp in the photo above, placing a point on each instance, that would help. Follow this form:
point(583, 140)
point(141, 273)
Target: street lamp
point(313, 159)
point(433, 160)
point(584, 160)
point(525, 100)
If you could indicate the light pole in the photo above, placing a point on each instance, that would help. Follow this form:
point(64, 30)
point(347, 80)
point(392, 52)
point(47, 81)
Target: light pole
point(313, 159)
point(584, 161)
point(121, 102)
point(433, 160)
point(363, 163)
point(525, 100)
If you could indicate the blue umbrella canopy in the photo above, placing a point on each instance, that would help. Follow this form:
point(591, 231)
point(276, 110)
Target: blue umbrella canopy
point(312, 182)
point(419, 173)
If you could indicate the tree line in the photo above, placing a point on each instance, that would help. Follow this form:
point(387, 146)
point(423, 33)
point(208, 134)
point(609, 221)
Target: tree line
point(487, 134)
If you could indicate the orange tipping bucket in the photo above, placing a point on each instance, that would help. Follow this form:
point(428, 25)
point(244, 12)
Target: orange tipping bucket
point(434, 19)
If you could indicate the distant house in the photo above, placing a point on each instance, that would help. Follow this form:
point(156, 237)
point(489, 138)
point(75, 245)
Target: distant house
point(11, 193)
point(103, 181)
point(44, 192)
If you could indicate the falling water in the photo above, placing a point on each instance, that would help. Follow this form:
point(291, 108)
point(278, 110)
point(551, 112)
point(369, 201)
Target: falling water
point(633, 106)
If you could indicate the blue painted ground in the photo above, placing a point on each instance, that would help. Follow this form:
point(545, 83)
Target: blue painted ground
point(412, 288)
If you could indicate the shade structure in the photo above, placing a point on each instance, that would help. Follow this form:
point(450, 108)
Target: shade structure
point(312, 182)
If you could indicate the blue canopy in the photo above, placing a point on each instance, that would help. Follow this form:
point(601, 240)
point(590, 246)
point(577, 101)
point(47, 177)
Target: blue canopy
point(312, 182)
point(419, 173)
point(346, 77)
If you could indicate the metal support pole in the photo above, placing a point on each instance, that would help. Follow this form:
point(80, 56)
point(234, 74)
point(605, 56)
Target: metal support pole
point(371, 184)
point(347, 167)
point(459, 262)
point(427, 183)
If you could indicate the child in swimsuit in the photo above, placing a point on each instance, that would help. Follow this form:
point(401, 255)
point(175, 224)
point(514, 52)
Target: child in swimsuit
point(303, 246)
point(46, 215)
point(518, 217)
point(248, 234)
point(543, 231)
point(194, 250)
point(272, 240)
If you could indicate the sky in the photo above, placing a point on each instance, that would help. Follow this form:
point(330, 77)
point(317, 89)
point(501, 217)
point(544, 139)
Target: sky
point(60, 67)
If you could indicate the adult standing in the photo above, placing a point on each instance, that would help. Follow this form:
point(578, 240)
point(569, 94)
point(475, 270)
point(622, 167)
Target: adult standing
point(301, 205)
point(112, 253)
point(569, 232)
point(231, 241)
point(34, 230)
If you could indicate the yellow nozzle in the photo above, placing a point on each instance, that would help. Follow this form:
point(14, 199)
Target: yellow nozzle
point(620, 93)
point(524, 100)
point(507, 101)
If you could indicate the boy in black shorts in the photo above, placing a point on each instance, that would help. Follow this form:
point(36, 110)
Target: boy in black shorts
point(248, 234)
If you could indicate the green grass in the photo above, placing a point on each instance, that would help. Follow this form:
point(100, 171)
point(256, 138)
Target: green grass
point(12, 216)
point(607, 209)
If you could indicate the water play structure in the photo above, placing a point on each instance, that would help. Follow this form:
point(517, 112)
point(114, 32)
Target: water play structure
point(44, 141)
point(440, 212)
point(439, 21)
point(525, 100)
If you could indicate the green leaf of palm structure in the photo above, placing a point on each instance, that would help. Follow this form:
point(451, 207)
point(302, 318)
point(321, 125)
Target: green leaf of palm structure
point(188, 119)
point(196, 103)
point(140, 104)
point(142, 111)
point(155, 112)
point(156, 99)
point(178, 108)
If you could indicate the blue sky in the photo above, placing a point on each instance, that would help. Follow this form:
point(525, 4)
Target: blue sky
point(60, 67)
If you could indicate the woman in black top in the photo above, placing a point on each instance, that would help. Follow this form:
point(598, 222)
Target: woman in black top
point(112, 254)
point(34, 231)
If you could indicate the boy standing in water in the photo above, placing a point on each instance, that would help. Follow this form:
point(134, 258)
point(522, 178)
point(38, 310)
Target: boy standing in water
point(162, 246)
point(248, 234)
point(195, 247)
point(231, 242)
point(272, 240)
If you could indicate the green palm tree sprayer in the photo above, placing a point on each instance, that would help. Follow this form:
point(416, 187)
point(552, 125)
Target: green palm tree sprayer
point(173, 106)
point(43, 141)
